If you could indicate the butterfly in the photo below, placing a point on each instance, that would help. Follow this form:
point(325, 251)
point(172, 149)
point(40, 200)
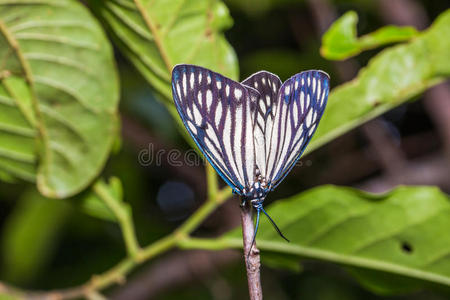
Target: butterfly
point(252, 132)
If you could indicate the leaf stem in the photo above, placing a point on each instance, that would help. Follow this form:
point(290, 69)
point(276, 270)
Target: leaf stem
point(158, 247)
point(154, 30)
point(123, 214)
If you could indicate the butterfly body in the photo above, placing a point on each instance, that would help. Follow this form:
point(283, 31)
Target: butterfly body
point(257, 193)
point(252, 132)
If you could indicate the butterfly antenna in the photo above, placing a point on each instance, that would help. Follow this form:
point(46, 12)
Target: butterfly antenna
point(274, 225)
point(256, 230)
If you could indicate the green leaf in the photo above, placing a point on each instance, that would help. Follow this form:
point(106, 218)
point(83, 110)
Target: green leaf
point(58, 95)
point(401, 233)
point(156, 35)
point(341, 42)
point(392, 77)
point(91, 204)
point(6, 177)
point(30, 235)
point(281, 261)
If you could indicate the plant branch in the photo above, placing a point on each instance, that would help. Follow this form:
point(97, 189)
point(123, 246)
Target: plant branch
point(123, 215)
point(251, 254)
point(136, 255)
point(178, 268)
point(309, 252)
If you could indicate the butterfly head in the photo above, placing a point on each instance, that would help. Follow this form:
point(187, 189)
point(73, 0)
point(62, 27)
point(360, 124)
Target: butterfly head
point(257, 193)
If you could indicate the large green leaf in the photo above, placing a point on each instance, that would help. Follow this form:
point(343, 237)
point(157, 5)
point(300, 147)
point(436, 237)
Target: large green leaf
point(402, 233)
point(392, 77)
point(156, 35)
point(58, 94)
point(341, 42)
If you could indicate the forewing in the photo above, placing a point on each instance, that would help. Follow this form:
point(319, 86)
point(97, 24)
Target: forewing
point(300, 104)
point(217, 112)
point(267, 84)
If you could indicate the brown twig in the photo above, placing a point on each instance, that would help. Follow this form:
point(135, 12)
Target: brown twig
point(351, 164)
point(388, 154)
point(403, 13)
point(429, 170)
point(251, 254)
point(176, 269)
point(437, 105)
point(183, 267)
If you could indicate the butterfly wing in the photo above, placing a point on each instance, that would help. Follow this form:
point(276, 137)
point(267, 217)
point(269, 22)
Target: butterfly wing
point(300, 104)
point(217, 113)
point(267, 84)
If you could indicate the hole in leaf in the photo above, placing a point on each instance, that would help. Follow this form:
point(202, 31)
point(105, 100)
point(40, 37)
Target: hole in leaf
point(407, 247)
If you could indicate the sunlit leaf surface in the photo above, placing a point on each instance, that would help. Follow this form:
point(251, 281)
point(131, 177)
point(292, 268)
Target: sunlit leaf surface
point(393, 242)
point(341, 41)
point(157, 35)
point(58, 95)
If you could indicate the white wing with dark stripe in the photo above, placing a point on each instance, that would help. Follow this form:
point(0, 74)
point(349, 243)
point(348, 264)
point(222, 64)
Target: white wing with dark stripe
point(218, 113)
point(300, 104)
point(267, 85)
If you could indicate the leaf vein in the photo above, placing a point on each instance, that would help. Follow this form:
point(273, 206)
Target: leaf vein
point(56, 39)
point(59, 60)
point(151, 26)
point(22, 131)
point(339, 222)
point(46, 23)
point(17, 156)
point(129, 23)
point(47, 111)
point(396, 232)
point(63, 88)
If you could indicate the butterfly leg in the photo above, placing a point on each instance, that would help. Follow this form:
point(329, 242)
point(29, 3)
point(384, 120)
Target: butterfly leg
point(256, 230)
